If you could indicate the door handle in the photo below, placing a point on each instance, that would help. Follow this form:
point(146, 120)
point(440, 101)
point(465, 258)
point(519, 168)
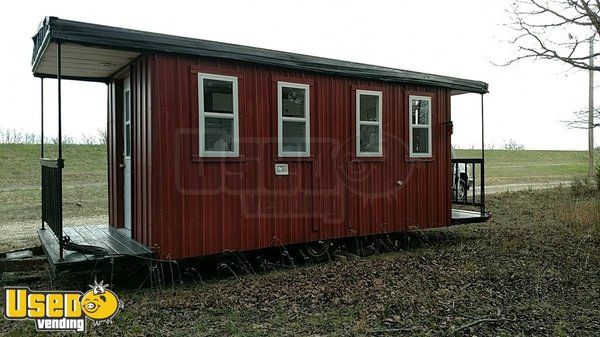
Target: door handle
point(121, 165)
point(399, 183)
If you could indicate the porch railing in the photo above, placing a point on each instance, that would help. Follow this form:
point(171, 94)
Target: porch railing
point(468, 183)
point(52, 198)
point(52, 212)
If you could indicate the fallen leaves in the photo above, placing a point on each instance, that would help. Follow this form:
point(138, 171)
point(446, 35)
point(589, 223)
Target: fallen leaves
point(521, 274)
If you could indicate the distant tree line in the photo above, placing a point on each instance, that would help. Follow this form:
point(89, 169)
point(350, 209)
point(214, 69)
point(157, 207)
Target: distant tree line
point(19, 137)
point(510, 144)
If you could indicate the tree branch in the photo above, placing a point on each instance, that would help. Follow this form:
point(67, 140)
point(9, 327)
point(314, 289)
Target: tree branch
point(539, 25)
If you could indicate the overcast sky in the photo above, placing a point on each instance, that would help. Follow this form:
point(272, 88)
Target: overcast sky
point(458, 38)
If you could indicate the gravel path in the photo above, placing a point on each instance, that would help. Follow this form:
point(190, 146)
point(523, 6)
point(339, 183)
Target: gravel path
point(525, 187)
point(24, 234)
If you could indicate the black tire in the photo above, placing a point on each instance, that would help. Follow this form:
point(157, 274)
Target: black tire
point(317, 251)
point(386, 244)
point(362, 246)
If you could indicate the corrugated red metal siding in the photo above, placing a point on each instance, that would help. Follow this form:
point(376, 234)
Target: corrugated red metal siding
point(141, 152)
point(206, 206)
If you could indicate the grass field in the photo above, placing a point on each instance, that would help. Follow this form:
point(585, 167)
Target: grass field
point(84, 181)
point(531, 271)
point(85, 176)
point(504, 167)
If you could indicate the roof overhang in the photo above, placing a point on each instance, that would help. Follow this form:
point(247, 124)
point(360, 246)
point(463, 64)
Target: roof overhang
point(96, 52)
point(83, 63)
point(79, 60)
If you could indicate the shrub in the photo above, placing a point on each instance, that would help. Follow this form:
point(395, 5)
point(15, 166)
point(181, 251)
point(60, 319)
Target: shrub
point(512, 145)
point(583, 187)
point(577, 187)
point(597, 176)
point(583, 215)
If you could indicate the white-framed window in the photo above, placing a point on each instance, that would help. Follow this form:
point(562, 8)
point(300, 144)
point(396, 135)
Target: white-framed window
point(368, 124)
point(419, 126)
point(218, 120)
point(293, 116)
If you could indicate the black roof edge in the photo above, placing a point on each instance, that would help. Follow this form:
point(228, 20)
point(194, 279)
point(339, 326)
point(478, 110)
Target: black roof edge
point(53, 29)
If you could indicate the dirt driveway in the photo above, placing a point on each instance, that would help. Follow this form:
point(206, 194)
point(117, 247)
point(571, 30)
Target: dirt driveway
point(24, 234)
point(525, 187)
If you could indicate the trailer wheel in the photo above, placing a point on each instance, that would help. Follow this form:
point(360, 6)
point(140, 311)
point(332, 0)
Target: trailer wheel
point(386, 244)
point(363, 246)
point(317, 251)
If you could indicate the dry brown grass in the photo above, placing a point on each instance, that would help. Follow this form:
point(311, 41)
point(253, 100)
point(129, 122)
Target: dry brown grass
point(532, 271)
point(584, 215)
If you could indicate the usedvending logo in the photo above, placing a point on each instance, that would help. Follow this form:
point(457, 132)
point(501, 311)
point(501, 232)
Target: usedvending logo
point(62, 310)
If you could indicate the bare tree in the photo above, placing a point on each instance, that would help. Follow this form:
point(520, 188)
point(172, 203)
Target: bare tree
point(102, 136)
point(512, 145)
point(88, 140)
point(555, 30)
point(580, 120)
point(31, 138)
point(65, 140)
point(564, 31)
point(11, 137)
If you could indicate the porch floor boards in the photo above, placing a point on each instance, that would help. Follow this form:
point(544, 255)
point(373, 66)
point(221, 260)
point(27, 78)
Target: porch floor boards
point(461, 216)
point(117, 244)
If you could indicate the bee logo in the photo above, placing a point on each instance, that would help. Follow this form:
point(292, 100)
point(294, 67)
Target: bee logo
point(62, 310)
point(100, 304)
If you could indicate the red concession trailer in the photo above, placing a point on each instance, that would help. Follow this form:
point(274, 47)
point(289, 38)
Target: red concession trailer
point(216, 147)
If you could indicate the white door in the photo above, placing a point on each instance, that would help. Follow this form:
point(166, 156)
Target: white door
point(127, 156)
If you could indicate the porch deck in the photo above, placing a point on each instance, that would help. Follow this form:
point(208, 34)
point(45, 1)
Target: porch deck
point(117, 244)
point(461, 216)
